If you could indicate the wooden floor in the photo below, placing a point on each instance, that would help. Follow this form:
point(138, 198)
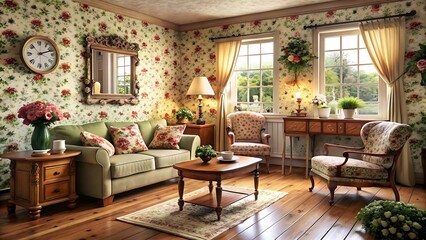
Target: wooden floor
point(299, 215)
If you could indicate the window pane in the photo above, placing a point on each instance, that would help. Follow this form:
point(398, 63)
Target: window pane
point(361, 42)
point(241, 63)
point(364, 57)
point(254, 94)
point(332, 75)
point(267, 60)
point(369, 93)
point(243, 50)
point(254, 61)
point(242, 79)
point(242, 95)
point(332, 43)
point(120, 61)
point(267, 94)
point(254, 48)
point(350, 41)
point(350, 74)
point(254, 79)
point(267, 47)
point(349, 91)
point(370, 109)
point(120, 71)
point(267, 78)
point(332, 58)
point(350, 57)
point(368, 74)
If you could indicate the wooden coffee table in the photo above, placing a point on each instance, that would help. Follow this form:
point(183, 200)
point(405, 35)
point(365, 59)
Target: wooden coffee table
point(216, 170)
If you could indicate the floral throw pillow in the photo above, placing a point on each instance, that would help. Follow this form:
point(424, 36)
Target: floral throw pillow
point(90, 139)
point(167, 137)
point(127, 139)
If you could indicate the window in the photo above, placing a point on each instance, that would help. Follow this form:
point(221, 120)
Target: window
point(253, 76)
point(345, 69)
point(123, 74)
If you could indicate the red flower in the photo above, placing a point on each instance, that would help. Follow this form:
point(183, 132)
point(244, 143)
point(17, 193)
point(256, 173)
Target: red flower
point(123, 143)
point(145, 24)
point(174, 84)
point(133, 32)
point(11, 90)
point(65, 67)
point(174, 63)
point(410, 54)
point(102, 27)
point(167, 95)
point(66, 41)
point(144, 70)
point(294, 17)
point(212, 56)
point(157, 59)
point(144, 95)
point(10, 3)
point(213, 111)
point(174, 110)
point(165, 116)
point(144, 45)
point(330, 14)
point(197, 33)
point(84, 7)
point(198, 49)
point(36, 23)
point(119, 18)
point(103, 114)
point(185, 59)
point(197, 70)
point(375, 7)
point(175, 45)
point(39, 112)
point(9, 33)
point(12, 147)
point(225, 27)
point(65, 15)
point(10, 117)
point(211, 78)
point(134, 114)
point(256, 23)
point(156, 37)
point(10, 61)
point(166, 51)
point(66, 115)
point(166, 73)
point(414, 25)
point(157, 83)
point(37, 77)
point(66, 92)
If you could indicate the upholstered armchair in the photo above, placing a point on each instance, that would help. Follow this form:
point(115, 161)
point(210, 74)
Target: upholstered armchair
point(383, 142)
point(246, 135)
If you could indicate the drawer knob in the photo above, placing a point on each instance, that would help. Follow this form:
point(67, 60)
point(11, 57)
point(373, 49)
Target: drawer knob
point(56, 190)
point(56, 173)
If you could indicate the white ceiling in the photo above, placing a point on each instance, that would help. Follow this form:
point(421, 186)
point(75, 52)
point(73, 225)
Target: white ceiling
point(193, 11)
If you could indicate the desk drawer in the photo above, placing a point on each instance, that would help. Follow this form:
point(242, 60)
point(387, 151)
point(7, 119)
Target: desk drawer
point(56, 190)
point(329, 127)
point(296, 126)
point(55, 172)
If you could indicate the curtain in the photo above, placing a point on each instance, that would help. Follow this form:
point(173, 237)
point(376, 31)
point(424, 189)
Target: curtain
point(226, 56)
point(385, 42)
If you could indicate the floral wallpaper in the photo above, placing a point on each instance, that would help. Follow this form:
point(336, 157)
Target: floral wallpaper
point(168, 62)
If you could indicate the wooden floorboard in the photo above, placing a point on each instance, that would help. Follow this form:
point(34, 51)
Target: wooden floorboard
point(299, 215)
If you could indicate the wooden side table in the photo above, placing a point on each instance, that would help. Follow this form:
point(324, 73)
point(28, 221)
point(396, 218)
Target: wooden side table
point(206, 132)
point(41, 181)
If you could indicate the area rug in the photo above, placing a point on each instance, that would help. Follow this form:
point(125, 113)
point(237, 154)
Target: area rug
point(198, 222)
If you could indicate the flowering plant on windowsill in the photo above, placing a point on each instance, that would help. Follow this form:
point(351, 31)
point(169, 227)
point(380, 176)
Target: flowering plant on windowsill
point(296, 57)
point(320, 101)
point(417, 63)
point(38, 112)
point(393, 220)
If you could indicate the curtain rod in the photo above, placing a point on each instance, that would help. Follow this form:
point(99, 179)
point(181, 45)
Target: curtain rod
point(239, 35)
point(408, 14)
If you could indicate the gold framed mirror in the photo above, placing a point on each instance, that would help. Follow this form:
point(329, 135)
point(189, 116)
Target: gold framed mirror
point(111, 71)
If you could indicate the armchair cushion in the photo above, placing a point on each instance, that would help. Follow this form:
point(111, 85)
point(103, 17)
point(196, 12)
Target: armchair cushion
point(251, 149)
point(247, 126)
point(167, 157)
point(129, 164)
point(352, 169)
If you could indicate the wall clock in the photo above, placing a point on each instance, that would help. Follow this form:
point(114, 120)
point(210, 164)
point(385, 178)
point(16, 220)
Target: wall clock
point(40, 54)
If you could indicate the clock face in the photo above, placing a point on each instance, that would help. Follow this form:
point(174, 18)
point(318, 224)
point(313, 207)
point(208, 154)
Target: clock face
point(40, 54)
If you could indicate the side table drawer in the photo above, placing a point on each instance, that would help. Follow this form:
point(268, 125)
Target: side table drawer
point(192, 131)
point(296, 126)
point(56, 190)
point(59, 171)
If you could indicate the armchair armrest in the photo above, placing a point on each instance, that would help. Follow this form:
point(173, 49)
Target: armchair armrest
point(190, 143)
point(231, 136)
point(329, 145)
point(264, 137)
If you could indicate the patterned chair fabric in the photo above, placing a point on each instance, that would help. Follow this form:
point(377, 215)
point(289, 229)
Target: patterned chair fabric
point(246, 135)
point(379, 138)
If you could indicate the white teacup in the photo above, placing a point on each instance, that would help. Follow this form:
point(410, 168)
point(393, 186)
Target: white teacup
point(58, 146)
point(227, 155)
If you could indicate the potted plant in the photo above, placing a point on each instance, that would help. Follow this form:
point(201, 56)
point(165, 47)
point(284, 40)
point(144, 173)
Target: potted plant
point(349, 104)
point(393, 220)
point(183, 115)
point(320, 101)
point(205, 152)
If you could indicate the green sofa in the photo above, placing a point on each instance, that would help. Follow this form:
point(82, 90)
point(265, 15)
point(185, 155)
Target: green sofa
point(101, 176)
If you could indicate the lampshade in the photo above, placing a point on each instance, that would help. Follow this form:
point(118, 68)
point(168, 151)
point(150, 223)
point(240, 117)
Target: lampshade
point(200, 86)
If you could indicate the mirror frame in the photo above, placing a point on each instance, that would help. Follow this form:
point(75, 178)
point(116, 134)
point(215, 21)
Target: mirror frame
point(114, 44)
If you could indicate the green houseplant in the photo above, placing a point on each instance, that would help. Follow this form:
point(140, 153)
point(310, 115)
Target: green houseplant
point(205, 152)
point(349, 104)
point(183, 115)
point(393, 220)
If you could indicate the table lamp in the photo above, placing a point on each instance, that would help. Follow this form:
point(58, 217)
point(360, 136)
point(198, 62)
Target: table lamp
point(200, 86)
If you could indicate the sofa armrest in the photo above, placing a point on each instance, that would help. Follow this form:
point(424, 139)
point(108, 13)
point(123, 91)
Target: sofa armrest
point(190, 143)
point(91, 155)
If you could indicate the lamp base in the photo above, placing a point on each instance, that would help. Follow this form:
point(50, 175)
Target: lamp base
point(201, 121)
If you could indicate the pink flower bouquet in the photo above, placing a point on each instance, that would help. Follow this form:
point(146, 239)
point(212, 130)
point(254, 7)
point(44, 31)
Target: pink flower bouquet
point(40, 113)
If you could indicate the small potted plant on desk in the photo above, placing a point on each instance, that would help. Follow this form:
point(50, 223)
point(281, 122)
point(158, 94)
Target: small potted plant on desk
point(184, 115)
point(205, 152)
point(349, 104)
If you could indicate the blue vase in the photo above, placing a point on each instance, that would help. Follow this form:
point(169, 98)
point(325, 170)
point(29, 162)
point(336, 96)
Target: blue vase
point(41, 138)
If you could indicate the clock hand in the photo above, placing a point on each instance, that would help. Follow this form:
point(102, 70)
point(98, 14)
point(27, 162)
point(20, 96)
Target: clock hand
point(41, 53)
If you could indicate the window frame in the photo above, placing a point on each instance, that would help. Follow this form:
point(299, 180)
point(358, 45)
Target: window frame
point(319, 85)
point(260, 38)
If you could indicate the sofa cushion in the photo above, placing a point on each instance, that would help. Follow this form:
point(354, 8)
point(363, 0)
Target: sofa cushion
point(147, 128)
point(167, 157)
point(97, 128)
point(167, 137)
point(129, 164)
point(69, 133)
point(90, 139)
point(127, 139)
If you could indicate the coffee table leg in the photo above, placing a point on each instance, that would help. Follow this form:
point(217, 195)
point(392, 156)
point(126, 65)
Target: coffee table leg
point(210, 186)
point(181, 185)
point(256, 182)
point(219, 199)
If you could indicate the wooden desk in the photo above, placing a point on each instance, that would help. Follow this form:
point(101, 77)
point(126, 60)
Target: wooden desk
point(40, 181)
point(307, 126)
